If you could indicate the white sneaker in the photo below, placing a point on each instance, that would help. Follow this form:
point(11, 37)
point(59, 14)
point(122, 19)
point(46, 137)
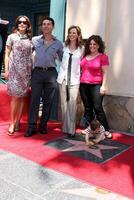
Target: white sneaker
point(108, 135)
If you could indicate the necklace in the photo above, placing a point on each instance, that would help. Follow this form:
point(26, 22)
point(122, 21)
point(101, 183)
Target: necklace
point(72, 48)
point(22, 35)
point(90, 57)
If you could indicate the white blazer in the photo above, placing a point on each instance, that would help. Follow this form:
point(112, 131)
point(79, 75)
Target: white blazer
point(75, 67)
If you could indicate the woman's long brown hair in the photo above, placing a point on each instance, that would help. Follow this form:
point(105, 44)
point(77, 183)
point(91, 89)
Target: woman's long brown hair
point(29, 27)
point(79, 41)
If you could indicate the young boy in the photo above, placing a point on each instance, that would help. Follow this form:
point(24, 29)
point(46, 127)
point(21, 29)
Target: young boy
point(94, 133)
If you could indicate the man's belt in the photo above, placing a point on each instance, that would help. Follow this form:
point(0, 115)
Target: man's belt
point(44, 68)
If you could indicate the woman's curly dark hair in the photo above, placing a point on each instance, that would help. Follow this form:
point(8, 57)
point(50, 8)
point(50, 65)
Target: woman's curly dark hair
point(97, 39)
point(29, 27)
point(79, 41)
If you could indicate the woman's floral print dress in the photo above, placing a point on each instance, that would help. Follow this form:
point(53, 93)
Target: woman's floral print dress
point(20, 64)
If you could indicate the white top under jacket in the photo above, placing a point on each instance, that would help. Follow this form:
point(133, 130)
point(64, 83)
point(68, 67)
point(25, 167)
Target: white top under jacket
point(75, 67)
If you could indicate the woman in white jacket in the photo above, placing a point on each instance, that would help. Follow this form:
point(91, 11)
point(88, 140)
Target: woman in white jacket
point(69, 78)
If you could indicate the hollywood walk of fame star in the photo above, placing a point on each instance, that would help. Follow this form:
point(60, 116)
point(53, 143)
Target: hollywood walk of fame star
point(81, 146)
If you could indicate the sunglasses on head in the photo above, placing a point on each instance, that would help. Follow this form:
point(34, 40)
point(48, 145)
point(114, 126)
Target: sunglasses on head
point(22, 22)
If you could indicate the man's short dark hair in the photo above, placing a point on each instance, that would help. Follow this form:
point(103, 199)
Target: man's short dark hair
point(48, 18)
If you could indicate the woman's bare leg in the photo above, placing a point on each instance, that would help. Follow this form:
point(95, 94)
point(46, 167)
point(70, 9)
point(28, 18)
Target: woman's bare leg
point(19, 112)
point(14, 105)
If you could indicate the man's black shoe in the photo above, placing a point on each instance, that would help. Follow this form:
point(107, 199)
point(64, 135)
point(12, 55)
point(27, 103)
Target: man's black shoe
point(43, 131)
point(30, 133)
point(71, 135)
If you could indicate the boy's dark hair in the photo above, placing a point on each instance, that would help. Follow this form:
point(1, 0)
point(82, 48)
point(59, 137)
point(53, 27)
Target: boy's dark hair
point(94, 124)
point(48, 18)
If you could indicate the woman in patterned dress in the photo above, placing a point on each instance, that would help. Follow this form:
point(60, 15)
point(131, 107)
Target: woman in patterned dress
point(18, 65)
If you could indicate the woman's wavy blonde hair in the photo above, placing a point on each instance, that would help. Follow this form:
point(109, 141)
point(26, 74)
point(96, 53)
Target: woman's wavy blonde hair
point(79, 41)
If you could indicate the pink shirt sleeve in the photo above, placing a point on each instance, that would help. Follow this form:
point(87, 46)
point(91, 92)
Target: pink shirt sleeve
point(104, 60)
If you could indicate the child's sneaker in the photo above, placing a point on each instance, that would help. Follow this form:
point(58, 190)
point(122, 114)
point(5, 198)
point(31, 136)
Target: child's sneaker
point(108, 135)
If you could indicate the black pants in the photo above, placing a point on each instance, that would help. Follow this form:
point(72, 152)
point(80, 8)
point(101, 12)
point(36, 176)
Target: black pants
point(43, 84)
point(92, 100)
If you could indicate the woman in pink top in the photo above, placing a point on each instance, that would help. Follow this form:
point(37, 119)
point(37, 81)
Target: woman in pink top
point(94, 72)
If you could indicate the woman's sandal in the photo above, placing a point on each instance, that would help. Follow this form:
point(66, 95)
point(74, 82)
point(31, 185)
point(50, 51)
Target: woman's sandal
point(17, 127)
point(108, 135)
point(11, 130)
